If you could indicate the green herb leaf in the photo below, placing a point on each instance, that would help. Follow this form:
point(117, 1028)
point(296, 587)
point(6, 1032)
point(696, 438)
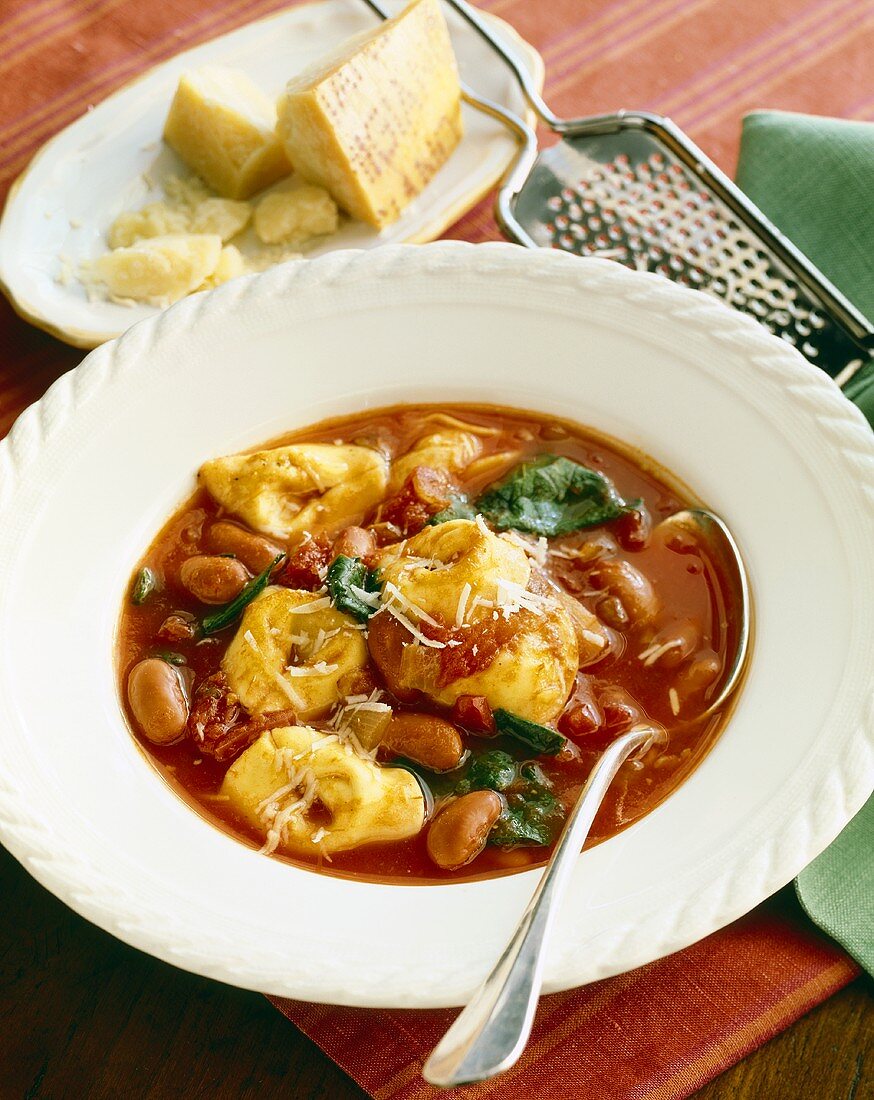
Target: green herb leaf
point(540, 738)
point(490, 771)
point(551, 496)
point(171, 657)
point(459, 508)
point(232, 611)
point(346, 574)
point(528, 820)
point(144, 584)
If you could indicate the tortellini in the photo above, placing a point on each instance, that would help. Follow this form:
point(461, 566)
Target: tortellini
point(287, 655)
point(460, 573)
point(448, 450)
point(432, 568)
point(287, 491)
point(307, 793)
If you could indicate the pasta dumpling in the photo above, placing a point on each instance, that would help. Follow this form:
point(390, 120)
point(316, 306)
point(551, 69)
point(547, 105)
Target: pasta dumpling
point(290, 650)
point(460, 574)
point(307, 793)
point(453, 571)
point(287, 491)
point(448, 450)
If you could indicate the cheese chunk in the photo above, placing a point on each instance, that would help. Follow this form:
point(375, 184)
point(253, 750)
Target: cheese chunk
point(295, 215)
point(305, 794)
point(230, 265)
point(223, 128)
point(159, 270)
point(375, 121)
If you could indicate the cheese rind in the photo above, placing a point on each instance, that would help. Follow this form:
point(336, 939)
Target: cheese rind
point(223, 128)
point(374, 123)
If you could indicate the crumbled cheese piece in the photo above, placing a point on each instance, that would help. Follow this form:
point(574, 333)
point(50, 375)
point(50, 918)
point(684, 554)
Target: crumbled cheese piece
point(159, 270)
point(295, 215)
point(226, 217)
point(230, 265)
point(155, 220)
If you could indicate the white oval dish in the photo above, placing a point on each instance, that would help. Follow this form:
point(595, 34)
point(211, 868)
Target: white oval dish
point(112, 159)
point(89, 473)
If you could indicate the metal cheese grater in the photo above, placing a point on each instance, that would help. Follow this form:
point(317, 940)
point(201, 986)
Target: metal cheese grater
point(632, 187)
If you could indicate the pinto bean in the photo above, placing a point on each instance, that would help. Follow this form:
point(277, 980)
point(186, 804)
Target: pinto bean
point(460, 830)
point(619, 710)
point(634, 528)
point(699, 673)
point(355, 542)
point(213, 580)
point(611, 612)
point(426, 739)
point(254, 551)
point(158, 700)
point(629, 585)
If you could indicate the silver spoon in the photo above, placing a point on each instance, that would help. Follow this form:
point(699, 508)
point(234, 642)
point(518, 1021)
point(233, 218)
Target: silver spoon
point(490, 1034)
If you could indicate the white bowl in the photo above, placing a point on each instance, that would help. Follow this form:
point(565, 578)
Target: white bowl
point(89, 473)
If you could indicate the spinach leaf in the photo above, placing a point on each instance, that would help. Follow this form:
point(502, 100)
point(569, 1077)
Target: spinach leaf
point(144, 584)
point(171, 657)
point(551, 496)
point(459, 508)
point(345, 575)
point(529, 819)
point(540, 738)
point(232, 611)
point(490, 771)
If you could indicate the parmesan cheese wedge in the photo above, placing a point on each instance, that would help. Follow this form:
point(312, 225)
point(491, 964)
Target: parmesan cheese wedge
point(223, 128)
point(375, 121)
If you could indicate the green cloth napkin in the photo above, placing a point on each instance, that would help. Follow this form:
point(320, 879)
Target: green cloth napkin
point(814, 178)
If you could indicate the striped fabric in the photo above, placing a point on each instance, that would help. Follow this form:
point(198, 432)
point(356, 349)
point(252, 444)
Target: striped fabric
point(658, 1033)
point(665, 1030)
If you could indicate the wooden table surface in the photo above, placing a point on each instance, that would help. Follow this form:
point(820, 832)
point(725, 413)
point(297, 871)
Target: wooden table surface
point(83, 1016)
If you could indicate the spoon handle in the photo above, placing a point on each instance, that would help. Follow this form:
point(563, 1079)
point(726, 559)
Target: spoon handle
point(491, 1032)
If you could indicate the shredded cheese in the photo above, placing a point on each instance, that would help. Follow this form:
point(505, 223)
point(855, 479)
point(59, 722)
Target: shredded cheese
point(314, 605)
point(371, 599)
point(463, 597)
point(650, 655)
point(318, 669)
point(395, 594)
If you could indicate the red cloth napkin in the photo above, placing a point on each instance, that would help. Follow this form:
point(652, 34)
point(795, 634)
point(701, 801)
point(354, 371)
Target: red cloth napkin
point(666, 1029)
